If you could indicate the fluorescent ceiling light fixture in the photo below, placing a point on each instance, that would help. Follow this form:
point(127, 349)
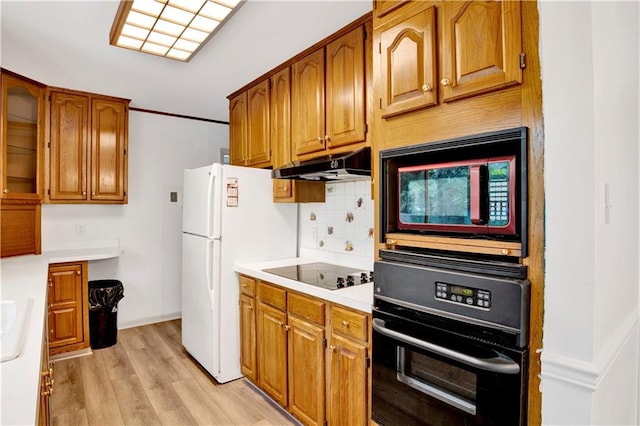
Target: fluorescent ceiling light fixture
point(174, 29)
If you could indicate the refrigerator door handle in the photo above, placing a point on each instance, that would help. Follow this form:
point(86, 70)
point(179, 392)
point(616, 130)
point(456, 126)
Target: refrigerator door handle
point(212, 179)
point(210, 278)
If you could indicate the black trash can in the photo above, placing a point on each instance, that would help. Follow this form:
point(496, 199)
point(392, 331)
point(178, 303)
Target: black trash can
point(104, 296)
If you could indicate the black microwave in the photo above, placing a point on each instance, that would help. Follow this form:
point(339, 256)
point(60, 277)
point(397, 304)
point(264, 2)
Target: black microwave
point(470, 187)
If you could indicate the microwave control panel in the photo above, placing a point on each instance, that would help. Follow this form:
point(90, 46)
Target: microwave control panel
point(463, 295)
point(499, 193)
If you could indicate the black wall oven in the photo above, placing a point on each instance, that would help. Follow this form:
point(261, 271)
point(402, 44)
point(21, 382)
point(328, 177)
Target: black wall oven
point(449, 347)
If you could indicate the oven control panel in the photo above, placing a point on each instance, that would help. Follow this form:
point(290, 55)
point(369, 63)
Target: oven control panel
point(463, 295)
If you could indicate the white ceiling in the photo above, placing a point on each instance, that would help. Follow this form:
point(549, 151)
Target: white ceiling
point(66, 44)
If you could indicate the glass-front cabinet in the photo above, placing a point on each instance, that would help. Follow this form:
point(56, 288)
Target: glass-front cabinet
point(22, 136)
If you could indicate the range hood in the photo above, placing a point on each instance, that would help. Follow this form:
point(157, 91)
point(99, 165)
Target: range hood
point(354, 165)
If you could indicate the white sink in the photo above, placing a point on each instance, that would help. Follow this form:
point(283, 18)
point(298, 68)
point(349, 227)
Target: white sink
point(13, 323)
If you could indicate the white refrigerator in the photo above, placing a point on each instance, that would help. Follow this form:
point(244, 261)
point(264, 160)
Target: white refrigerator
point(228, 217)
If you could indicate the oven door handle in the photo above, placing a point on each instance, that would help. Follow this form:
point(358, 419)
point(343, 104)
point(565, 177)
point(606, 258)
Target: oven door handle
point(497, 364)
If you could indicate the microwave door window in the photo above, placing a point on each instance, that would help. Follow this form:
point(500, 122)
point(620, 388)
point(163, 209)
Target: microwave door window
point(435, 196)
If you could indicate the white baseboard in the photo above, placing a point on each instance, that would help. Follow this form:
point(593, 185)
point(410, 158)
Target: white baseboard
point(149, 320)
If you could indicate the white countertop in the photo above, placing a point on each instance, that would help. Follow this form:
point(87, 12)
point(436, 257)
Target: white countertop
point(358, 297)
point(26, 276)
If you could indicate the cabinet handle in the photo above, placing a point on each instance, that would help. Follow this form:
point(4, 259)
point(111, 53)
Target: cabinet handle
point(332, 348)
point(345, 324)
point(426, 87)
point(6, 190)
point(445, 81)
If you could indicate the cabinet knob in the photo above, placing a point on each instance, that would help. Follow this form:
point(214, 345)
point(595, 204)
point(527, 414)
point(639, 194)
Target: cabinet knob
point(279, 323)
point(249, 307)
point(78, 272)
point(345, 324)
point(286, 327)
point(327, 138)
point(426, 87)
point(244, 285)
point(320, 139)
point(332, 348)
point(93, 193)
point(84, 192)
point(6, 190)
point(445, 81)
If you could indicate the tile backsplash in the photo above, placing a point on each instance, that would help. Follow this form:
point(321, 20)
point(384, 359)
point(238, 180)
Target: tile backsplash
point(343, 224)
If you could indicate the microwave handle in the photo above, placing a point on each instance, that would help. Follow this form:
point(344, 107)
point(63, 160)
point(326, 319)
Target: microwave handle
point(497, 364)
point(475, 177)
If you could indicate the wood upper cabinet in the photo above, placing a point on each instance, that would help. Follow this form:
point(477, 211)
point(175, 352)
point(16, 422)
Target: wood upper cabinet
point(68, 314)
point(482, 44)
point(408, 63)
point(478, 45)
point(328, 96)
point(21, 143)
point(238, 129)
point(88, 141)
point(250, 131)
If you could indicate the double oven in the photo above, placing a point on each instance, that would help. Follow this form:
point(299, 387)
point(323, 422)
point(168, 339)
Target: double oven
point(450, 330)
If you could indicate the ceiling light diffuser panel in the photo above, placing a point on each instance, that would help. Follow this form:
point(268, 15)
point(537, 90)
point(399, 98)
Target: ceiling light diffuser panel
point(174, 29)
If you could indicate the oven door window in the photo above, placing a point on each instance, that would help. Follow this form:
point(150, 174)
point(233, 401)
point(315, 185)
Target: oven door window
point(440, 380)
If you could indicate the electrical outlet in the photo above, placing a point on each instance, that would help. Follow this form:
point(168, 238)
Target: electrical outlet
point(80, 230)
point(173, 197)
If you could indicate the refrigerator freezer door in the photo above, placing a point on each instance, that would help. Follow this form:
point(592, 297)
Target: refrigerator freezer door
point(200, 191)
point(200, 315)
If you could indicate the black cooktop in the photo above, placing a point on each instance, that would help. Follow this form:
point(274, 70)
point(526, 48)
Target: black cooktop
point(325, 275)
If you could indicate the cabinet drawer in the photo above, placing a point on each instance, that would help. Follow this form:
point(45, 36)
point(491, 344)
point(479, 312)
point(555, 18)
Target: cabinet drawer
point(350, 323)
point(272, 295)
point(247, 286)
point(306, 307)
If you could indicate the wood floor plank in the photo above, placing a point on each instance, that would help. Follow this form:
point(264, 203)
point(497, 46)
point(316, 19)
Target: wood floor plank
point(200, 405)
point(148, 378)
point(100, 400)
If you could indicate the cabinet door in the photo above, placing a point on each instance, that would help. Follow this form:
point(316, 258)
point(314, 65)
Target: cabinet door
point(272, 352)
point(482, 42)
point(66, 305)
point(306, 371)
point(280, 110)
point(383, 7)
point(108, 150)
point(307, 104)
point(408, 64)
point(258, 129)
point(348, 394)
point(345, 90)
point(248, 364)
point(238, 129)
point(21, 138)
point(69, 138)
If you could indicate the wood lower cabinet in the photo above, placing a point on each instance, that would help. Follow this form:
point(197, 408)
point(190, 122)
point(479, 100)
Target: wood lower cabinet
point(20, 227)
point(348, 402)
point(68, 314)
point(317, 383)
point(88, 141)
point(43, 417)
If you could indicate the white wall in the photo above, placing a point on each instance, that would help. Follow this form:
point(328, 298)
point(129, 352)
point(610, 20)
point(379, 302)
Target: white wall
point(149, 226)
point(590, 64)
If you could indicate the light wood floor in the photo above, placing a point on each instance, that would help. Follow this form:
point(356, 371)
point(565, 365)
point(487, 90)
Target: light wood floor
point(147, 378)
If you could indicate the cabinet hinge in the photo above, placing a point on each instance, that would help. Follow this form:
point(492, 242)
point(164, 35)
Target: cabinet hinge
point(364, 33)
point(366, 128)
point(48, 192)
point(380, 48)
point(125, 152)
point(125, 193)
point(367, 362)
point(48, 144)
point(523, 64)
point(380, 99)
point(324, 344)
point(324, 422)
